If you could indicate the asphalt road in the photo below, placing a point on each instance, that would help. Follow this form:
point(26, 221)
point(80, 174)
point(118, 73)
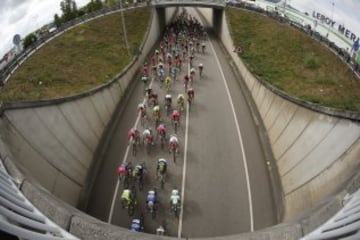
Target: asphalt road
point(216, 194)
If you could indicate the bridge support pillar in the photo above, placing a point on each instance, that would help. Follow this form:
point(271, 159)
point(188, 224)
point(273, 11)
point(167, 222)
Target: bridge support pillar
point(217, 20)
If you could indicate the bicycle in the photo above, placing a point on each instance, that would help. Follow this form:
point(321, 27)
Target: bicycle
point(161, 176)
point(173, 150)
point(176, 125)
point(162, 140)
point(175, 208)
point(148, 144)
point(125, 177)
point(133, 144)
point(167, 86)
point(142, 117)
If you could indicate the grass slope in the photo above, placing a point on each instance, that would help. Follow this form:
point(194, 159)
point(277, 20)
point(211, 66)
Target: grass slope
point(78, 60)
point(294, 63)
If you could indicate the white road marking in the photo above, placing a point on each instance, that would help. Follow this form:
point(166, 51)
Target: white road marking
point(240, 140)
point(184, 168)
point(124, 160)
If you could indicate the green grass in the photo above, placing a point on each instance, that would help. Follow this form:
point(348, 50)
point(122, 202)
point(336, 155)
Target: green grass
point(80, 59)
point(294, 63)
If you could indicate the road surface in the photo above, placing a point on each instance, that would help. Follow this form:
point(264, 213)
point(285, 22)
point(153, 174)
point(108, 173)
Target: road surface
point(227, 187)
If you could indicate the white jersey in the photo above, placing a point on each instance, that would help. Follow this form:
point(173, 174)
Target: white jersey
point(173, 139)
point(175, 199)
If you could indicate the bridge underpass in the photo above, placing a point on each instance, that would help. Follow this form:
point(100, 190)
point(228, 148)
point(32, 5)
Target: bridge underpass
point(227, 185)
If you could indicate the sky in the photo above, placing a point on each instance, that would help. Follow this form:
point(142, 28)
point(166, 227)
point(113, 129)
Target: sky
point(25, 16)
point(345, 12)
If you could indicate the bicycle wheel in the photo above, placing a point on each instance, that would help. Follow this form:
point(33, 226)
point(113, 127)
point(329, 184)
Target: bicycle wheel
point(131, 209)
point(148, 147)
point(175, 126)
point(126, 182)
point(174, 155)
point(134, 149)
point(162, 181)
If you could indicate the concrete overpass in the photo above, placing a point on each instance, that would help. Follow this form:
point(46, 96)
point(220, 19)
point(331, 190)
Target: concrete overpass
point(295, 148)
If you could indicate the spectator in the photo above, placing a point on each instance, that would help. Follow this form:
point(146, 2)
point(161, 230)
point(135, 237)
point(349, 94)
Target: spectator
point(237, 49)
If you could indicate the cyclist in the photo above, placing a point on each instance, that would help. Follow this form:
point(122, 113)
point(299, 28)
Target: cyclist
point(192, 73)
point(180, 102)
point(160, 231)
point(148, 136)
point(186, 81)
point(175, 116)
point(134, 134)
point(161, 130)
point(175, 198)
point(168, 101)
point(203, 46)
point(201, 67)
point(173, 143)
point(161, 166)
point(145, 69)
point(124, 169)
point(191, 94)
point(142, 109)
point(136, 225)
point(126, 197)
point(145, 80)
point(156, 112)
point(153, 98)
point(168, 83)
point(151, 199)
point(139, 171)
point(148, 92)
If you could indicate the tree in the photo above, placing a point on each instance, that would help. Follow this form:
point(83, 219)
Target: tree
point(94, 5)
point(29, 40)
point(57, 20)
point(69, 9)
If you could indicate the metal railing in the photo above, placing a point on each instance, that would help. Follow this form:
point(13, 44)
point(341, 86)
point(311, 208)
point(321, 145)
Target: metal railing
point(220, 3)
point(344, 225)
point(18, 217)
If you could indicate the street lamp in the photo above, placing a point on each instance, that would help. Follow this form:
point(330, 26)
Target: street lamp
point(124, 29)
point(332, 18)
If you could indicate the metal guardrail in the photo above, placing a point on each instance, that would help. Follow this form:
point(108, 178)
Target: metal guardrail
point(220, 3)
point(344, 225)
point(20, 218)
point(13, 64)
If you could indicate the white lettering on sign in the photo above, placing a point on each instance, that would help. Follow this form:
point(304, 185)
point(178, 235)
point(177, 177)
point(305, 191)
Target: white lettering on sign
point(341, 28)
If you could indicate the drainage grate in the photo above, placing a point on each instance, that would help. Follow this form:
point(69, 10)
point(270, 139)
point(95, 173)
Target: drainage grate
point(20, 218)
point(344, 225)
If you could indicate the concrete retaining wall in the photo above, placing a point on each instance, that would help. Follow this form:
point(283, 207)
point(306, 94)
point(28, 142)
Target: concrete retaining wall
point(54, 141)
point(316, 154)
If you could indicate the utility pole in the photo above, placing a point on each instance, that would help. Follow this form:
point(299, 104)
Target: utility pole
point(124, 29)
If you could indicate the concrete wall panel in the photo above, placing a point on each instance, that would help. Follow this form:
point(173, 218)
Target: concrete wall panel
point(53, 119)
point(281, 121)
point(24, 152)
point(326, 152)
point(86, 107)
point(289, 136)
point(97, 101)
point(80, 125)
point(66, 190)
point(305, 143)
point(44, 142)
point(116, 92)
point(309, 140)
point(260, 96)
point(266, 103)
point(109, 100)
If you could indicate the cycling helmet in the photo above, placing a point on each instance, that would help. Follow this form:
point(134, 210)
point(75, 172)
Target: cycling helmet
point(175, 192)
